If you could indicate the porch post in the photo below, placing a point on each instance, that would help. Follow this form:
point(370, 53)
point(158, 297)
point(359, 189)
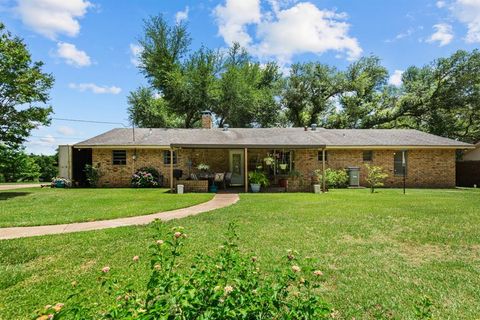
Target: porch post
point(323, 170)
point(246, 169)
point(171, 170)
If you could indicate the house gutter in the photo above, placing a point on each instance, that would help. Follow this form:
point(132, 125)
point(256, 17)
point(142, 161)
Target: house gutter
point(241, 146)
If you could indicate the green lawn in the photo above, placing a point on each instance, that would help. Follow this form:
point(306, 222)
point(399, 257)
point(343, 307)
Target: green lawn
point(36, 206)
point(381, 253)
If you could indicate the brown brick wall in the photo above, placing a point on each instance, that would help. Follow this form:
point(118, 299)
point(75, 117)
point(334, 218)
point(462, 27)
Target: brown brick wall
point(119, 175)
point(425, 168)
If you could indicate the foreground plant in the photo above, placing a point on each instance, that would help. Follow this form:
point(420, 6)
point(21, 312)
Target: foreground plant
point(227, 285)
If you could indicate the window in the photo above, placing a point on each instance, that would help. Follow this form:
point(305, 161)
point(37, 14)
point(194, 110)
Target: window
point(367, 155)
point(119, 157)
point(320, 156)
point(398, 168)
point(166, 157)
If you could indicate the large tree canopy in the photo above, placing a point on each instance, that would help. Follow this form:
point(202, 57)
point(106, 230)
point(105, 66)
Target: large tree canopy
point(238, 90)
point(148, 110)
point(443, 97)
point(24, 91)
point(440, 98)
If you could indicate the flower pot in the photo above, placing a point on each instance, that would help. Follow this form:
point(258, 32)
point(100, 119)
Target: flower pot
point(283, 166)
point(283, 183)
point(59, 184)
point(255, 187)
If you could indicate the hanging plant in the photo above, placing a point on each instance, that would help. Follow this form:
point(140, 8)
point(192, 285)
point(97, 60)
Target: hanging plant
point(283, 166)
point(203, 167)
point(268, 160)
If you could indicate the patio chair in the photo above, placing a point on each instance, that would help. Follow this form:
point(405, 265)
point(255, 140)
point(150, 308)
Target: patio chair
point(220, 179)
point(228, 179)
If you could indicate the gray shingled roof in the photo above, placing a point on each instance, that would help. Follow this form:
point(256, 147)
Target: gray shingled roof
point(270, 137)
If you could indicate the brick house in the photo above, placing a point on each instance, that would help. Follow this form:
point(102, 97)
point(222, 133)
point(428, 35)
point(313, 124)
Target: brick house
point(297, 152)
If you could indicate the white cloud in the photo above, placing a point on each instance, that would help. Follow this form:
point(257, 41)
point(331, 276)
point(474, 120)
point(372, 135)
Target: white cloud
point(233, 18)
point(52, 17)
point(41, 145)
point(48, 139)
point(135, 51)
point(285, 32)
point(441, 4)
point(66, 131)
point(396, 78)
point(72, 55)
point(468, 12)
point(443, 34)
point(306, 28)
point(182, 15)
point(82, 87)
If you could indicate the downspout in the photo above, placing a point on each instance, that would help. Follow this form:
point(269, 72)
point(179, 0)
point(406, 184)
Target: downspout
point(323, 171)
point(171, 170)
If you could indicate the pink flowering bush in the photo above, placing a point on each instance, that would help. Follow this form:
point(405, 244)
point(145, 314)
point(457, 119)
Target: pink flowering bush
point(144, 179)
point(227, 285)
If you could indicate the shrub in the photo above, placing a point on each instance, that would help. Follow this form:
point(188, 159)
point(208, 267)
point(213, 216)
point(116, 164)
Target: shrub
point(93, 175)
point(375, 176)
point(154, 172)
point(227, 285)
point(333, 178)
point(144, 179)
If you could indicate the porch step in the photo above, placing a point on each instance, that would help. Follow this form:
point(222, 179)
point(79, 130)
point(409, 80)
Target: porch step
point(276, 189)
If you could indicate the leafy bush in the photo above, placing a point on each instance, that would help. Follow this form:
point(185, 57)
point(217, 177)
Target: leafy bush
point(144, 179)
point(93, 175)
point(375, 177)
point(333, 178)
point(154, 172)
point(227, 285)
point(258, 177)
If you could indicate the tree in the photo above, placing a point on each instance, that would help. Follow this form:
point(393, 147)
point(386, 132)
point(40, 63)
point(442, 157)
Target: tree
point(239, 91)
point(246, 91)
point(362, 96)
point(16, 165)
point(186, 83)
point(48, 166)
point(375, 176)
point(309, 92)
point(443, 97)
point(23, 89)
point(146, 110)
point(192, 86)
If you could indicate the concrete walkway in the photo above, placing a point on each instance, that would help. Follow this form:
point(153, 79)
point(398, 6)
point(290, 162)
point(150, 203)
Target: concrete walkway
point(218, 201)
point(19, 186)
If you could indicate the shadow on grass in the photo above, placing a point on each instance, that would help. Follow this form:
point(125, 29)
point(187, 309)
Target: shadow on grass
point(12, 194)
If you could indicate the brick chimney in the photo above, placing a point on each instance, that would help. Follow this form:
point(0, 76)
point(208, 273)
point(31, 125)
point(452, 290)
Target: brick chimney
point(207, 122)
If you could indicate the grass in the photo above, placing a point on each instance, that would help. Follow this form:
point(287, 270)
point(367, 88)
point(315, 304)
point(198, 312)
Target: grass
point(381, 253)
point(24, 182)
point(36, 206)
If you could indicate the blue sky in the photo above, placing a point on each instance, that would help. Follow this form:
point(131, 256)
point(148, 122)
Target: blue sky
point(90, 46)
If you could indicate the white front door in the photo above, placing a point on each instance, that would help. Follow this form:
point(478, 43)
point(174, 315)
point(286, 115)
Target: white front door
point(237, 169)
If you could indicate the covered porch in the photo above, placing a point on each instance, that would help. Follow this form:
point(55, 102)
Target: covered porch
point(214, 168)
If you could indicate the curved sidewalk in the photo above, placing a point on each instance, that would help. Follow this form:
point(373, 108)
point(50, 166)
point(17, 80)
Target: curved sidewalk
point(218, 201)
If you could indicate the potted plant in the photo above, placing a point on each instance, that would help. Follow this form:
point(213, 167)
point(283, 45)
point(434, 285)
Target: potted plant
point(257, 179)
